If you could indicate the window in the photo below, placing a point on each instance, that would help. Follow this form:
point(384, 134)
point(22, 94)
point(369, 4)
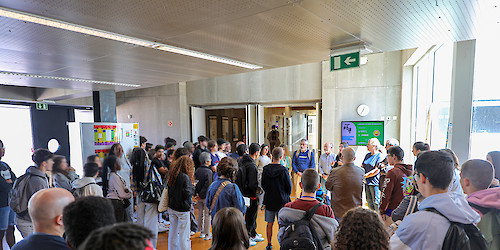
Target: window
point(485, 133)
point(16, 135)
point(432, 96)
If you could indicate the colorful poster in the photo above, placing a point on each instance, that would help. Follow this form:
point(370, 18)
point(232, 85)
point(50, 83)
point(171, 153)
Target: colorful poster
point(105, 135)
point(358, 133)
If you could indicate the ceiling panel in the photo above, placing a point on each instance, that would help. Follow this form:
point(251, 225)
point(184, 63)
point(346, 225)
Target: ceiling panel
point(270, 33)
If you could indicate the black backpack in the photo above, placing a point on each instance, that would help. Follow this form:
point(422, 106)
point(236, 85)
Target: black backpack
point(462, 236)
point(299, 235)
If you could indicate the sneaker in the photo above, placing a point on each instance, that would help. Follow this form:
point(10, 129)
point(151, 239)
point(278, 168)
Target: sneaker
point(252, 243)
point(257, 238)
point(162, 228)
point(202, 236)
point(208, 237)
point(269, 247)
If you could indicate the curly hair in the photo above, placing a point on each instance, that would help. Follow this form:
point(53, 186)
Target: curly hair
point(361, 228)
point(119, 236)
point(184, 164)
point(181, 152)
point(228, 167)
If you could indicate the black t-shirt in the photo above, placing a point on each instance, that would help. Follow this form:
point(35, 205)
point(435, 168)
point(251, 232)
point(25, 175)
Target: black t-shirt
point(5, 187)
point(41, 241)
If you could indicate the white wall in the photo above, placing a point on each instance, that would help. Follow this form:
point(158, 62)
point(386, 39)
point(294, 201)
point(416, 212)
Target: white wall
point(287, 84)
point(153, 108)
point(376, 84)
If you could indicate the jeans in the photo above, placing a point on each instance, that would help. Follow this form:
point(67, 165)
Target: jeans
point(179, 234)
point(25, 227)
point(251, 217)
point(147, 216)
point(373, 197)
point(203, 217)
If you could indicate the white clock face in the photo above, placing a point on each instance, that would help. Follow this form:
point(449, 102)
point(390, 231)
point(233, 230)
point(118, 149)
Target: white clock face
point(363, 110)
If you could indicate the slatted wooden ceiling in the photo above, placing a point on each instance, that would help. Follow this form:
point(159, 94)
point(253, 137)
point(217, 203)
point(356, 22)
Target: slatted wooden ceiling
point(270, 33)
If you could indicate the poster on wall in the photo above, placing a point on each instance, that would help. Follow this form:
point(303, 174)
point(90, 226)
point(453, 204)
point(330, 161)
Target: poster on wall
point(225, 128)
point(357, 133)
point(97, 138)
point(212, 127)
point(236, 134)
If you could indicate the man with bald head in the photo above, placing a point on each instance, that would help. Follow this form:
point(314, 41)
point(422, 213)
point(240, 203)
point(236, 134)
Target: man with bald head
point(45, 209)
point(346, 184)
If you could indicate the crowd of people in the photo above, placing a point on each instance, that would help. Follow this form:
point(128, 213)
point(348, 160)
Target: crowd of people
point(122, 202)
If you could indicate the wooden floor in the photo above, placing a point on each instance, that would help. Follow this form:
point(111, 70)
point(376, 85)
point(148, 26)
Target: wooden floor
point(199, 244)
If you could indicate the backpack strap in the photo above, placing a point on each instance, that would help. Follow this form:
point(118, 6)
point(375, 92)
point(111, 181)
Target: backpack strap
point(433, 210)
point(216, 196)
point(309, 214)
point(412, 205)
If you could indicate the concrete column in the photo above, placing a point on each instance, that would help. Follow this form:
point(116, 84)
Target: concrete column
point(184, 113)
point(104, 102)
point(252, 124)
point(461, 98)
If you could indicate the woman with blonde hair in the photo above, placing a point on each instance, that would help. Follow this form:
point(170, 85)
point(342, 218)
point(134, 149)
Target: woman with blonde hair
point(375, 155)
point(180, 181)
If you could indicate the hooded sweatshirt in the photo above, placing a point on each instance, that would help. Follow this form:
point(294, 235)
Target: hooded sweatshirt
point(324, 226)
point(277, 186)
point(86, 186)
point(487, 203)
point(427, 230)
point(247, 178)
point(397, 184)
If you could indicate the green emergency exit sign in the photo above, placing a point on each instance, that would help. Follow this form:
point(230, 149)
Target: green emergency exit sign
point(345, 61)
point(42, 106)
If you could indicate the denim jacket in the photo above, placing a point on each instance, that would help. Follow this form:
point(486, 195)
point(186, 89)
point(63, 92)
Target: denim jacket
point(230, 196)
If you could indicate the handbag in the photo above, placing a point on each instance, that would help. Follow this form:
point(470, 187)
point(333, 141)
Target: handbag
point(125, 202)
point(163, 206)
point(152, 190)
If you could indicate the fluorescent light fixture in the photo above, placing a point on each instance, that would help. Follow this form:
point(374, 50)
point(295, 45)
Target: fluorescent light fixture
point(28, 17)
point(69, 79)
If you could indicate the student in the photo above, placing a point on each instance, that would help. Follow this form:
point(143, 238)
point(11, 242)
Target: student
point(117, 188)
point(227, 148)
point(202, 147)
point(277, 189)
point(420, 147)
point(36, 179)
point(372, 172)
point(426, 229)
point(398, 182)
point(230, 195)
point(62, 174)
point(7, 216)
point(204, 176)
point(87, 185)
point(323, 221)
point(494, 158)
point(97, 160)
point(46, 211)
point(477, 176)
point(212, 149)
point(125, 172)
point(85, 215)
point(221, 146)
point(262, 161)
point(248, 183)
point(123, 235)
point(361, 228)
point(229, 230)
point(157, 161)
point(338, 159)
point(346, 184)
point(274, 137)
point(455, 182)
point(180, 193)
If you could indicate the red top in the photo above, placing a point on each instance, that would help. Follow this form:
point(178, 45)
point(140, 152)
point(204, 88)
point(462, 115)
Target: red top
point(305, 205)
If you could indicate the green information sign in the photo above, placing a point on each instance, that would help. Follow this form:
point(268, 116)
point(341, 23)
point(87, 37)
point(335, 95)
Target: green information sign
point(345, 61)
point(42, 106)
point(358, 133)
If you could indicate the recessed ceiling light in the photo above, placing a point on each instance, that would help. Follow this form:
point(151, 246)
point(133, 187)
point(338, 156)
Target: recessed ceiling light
point(69, 79)
point(28, 17)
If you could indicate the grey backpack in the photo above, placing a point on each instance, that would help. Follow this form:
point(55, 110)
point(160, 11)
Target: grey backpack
point(16, 201)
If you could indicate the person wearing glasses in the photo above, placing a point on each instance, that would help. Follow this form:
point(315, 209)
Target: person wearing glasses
point(302, 159)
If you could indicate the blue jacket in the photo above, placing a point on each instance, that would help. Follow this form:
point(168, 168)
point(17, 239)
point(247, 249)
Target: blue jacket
point(302, 160)
point(427, 230)
point(229, 197)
